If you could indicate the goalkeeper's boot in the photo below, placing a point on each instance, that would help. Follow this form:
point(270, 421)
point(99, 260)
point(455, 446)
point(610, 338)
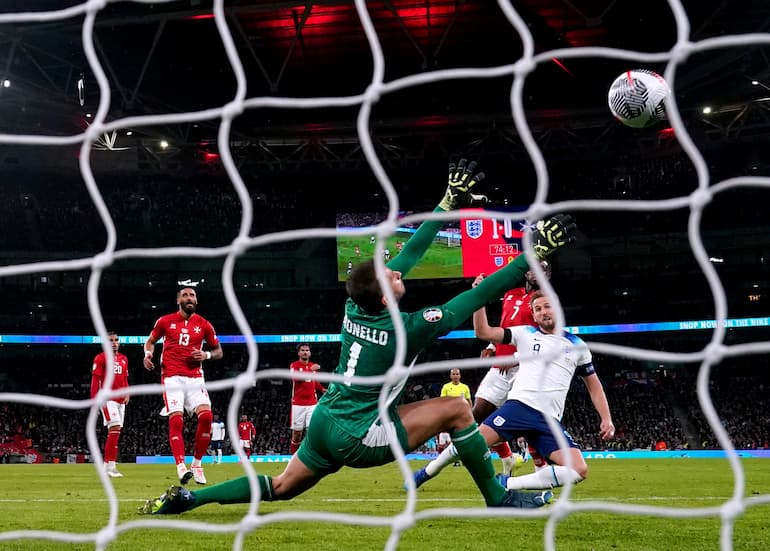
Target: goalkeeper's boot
point(420, 477)
point(176, 500)
point(184, 475)
point(503, 480)
point(197, 474)
point(526, 500)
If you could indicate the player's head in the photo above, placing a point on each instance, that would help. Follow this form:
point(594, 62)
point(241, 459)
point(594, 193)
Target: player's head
point(303, 351)
point(454, 374)
point(362, 286)
point(543, 311)
point(114, 340)
point(187, 299)
point(531, 279)
point(244, 418)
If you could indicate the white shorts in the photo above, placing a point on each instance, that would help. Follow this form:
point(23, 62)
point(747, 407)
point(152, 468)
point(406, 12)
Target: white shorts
point(495, 386)
point(246, 444)
point(300, 417)
point(180, 398)
point(113, 414)
point(444, 439)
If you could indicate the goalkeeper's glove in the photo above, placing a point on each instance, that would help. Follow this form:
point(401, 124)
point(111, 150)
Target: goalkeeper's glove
point(553, 234)
point(461, 180)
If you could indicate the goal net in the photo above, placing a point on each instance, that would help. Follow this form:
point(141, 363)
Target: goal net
point(727, 513)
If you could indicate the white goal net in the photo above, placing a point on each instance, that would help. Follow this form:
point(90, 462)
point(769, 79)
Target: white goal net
point(727, 513)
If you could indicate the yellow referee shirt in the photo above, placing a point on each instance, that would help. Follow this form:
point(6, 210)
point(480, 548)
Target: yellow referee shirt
point(461, 389)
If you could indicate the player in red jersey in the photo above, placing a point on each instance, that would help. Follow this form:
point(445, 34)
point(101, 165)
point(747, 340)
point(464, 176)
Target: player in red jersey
point(247, 433)
point(304, 395)
point(494, 388)
point(181, 372)
point(113, 410)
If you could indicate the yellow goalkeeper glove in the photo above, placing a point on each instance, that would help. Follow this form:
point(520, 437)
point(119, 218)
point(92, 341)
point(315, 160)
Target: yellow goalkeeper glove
point(461, 180)
point(553, 234)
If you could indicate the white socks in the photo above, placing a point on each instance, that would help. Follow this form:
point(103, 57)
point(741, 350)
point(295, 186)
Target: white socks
point(444, 458)
point(552, 476)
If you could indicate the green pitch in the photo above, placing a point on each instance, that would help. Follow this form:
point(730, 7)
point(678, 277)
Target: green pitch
point(69, 498)
point(440, 261)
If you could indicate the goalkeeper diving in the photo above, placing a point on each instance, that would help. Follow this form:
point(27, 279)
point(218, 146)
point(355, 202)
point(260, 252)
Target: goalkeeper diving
point(347, 430)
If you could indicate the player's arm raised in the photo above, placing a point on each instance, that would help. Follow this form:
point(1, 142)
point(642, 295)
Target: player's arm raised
point(486, 332)
point(461, 180)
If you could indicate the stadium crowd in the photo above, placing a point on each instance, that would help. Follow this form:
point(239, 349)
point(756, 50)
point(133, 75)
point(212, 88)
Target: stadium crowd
point(655, 409)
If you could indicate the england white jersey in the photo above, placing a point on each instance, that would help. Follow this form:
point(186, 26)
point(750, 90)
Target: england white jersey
point(569, 355)
point(218, 430)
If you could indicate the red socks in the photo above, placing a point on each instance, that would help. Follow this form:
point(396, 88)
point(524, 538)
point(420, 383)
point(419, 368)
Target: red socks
point(502, 449)
point(203, 434)
point(111, 446)
point(176, 437)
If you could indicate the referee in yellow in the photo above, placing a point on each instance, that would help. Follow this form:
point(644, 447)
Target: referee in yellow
point(456, 388)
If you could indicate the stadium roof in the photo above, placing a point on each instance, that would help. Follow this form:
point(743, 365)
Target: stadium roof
point(169, 58)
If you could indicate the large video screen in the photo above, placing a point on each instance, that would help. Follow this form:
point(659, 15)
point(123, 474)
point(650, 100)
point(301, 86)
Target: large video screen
point(461, 249)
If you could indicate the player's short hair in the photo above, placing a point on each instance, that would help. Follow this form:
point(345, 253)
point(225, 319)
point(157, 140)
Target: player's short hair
point(362, 286)
point(537, 294)
point(181, 288)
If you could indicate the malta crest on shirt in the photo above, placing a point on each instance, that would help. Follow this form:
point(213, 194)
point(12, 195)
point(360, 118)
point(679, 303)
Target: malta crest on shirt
point(474, 228)
point(433, 315)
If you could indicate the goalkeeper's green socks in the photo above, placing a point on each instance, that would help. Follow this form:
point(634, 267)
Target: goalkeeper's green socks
point(475, 455)
point(234, 491)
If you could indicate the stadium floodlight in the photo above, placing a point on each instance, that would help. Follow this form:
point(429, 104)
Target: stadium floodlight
point(6, 83)
point(82, 90)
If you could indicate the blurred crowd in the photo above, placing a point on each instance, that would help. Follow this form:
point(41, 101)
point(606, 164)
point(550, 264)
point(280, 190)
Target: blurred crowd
point(655, 409)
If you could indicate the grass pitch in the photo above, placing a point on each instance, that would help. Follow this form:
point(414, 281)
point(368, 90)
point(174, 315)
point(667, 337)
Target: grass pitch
point(439, 261)
point(70, 499)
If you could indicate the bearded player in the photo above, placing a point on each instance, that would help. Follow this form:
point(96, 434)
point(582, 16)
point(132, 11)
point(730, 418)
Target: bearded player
point(181, 372)
point(494, 388)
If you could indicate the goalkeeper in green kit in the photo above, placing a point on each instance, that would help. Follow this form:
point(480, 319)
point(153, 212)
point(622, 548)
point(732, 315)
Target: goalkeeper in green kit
point(347, 430)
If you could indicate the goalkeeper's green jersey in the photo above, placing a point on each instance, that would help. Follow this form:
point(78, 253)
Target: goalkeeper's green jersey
point(368, 342)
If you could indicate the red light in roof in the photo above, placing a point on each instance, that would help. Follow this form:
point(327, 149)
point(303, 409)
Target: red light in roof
point(562, 66)
point(433, 120)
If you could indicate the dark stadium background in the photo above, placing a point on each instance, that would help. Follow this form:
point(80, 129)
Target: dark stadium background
point(303, 167)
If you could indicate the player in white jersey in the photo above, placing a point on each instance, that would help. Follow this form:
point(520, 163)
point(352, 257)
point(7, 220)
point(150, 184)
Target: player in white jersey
point(536, 395)
point(217, 439)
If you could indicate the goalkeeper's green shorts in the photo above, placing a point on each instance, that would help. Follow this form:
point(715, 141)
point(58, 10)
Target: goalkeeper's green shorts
point(327, 447)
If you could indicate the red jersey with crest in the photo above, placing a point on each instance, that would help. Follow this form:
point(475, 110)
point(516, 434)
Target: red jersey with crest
point(180, 337)
point(246, 430)
point(99, 372)
point(517, 310)
point(303, 392)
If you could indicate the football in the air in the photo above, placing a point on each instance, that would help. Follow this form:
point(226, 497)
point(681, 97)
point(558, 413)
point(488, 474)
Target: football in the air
point(636, 98)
